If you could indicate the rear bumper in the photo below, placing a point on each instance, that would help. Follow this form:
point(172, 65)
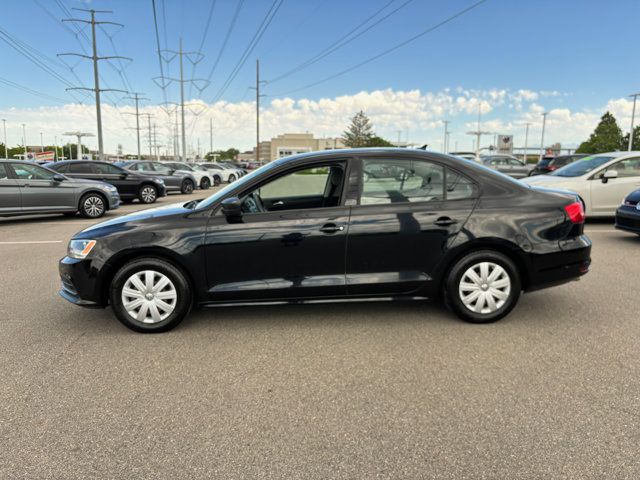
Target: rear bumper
point(556, 268)
point(628, 219)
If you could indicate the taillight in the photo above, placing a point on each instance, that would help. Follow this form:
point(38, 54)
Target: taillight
point(575, 212)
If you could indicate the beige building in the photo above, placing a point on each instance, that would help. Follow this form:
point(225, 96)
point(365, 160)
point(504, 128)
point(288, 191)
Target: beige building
point(294, 143)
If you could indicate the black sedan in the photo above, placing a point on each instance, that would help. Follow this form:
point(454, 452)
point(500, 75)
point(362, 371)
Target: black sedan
point(550, 164)
point(174, 181)
point(130, 185)
point(628, 214)
point(308, 228)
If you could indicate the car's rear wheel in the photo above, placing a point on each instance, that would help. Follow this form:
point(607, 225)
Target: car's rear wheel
point(150, 295)
point(483, 286)
point(92, 205)
point(205, 183)
point(148, 194)
point(232, 178)
point(187, 187)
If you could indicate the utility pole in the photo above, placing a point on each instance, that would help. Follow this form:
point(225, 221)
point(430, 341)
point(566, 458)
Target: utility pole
point(136, 98)
point(446, 134)
point(148, 115)
point(478, 133)
point(41, 143)
point(155, 143)
point(96, 76)
point(6, 151)
point(163, 82)
point(211, 135)
point(633, 114)
point(544, 123)
point(55, 141)
point(24, 137)
point(526, 140)
point(258, 95)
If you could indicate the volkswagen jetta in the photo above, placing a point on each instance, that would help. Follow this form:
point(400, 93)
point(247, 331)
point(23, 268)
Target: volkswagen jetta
point(313, 228)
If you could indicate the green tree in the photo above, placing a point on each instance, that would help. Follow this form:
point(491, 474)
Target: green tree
point(360, 131)
point(377, 141)
point(636, 139)
point(228, 154)
point(607, 137)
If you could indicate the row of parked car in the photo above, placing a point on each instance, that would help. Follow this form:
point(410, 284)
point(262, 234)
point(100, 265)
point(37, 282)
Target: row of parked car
point(93, 187)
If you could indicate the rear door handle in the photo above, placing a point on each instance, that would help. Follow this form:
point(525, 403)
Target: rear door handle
point(331, 228)
point(445, 221)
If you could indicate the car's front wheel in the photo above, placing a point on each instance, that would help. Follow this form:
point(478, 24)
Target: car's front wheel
point(187, 187)
point(92, 205)
point(217, 180)
point(232, 178)
point(150, 295)
point(148, 194)
point(483, 286)
point(205, 183)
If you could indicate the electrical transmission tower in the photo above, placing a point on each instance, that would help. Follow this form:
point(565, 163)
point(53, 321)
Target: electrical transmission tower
point(200, 83)
point(136, 98)
point(96, 76)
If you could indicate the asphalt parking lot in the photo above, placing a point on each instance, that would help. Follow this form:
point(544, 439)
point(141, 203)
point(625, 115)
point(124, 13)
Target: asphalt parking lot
point(366, 390)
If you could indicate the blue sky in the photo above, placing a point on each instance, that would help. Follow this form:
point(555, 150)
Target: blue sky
point(581, 50)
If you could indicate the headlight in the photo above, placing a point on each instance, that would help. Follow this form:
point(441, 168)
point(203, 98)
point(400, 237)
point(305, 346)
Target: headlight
point(159, 180)
point(80, 248)
point(111, 188)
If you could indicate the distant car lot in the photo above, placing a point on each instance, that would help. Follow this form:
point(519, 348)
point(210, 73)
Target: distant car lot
point(328, 387)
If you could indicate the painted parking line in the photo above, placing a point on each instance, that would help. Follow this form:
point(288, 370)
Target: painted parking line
point(30, 242)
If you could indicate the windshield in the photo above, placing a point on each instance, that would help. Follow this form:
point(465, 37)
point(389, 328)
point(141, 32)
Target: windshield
point(183, 166)
point(220, 194)
point(582, 166)
point(200, 168)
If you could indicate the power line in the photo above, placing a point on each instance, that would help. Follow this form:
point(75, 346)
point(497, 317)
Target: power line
point(204, 37)
point(9, 83)
point(344, 40)
point(389, 50)
point(158, 48)
point(275, 6)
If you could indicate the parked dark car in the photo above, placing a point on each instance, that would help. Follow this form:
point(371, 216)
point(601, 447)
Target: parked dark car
point(27, 188)
point(628, 214)
point(130, 185)
point(508, 165)
point(174, 180)
point(549, 164)
point(307, 228)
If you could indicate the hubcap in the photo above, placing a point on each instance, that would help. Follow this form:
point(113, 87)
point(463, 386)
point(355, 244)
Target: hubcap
point(149, 296)
point(148, 194)
point(484, 287)
point(94, 206)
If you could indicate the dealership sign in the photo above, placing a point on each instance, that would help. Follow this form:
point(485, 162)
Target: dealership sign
point(45, 156)
point(505, 143)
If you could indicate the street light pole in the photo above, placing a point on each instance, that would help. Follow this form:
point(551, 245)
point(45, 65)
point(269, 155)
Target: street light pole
point(544, 123)
point(41, 143)
point(633, 114)
point(446, 134)
point(6, 151)
point(526, 140)
point(24, 137)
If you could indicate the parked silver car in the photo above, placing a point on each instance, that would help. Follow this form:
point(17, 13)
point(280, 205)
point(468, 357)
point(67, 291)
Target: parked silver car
point(27, 188)
point(174, 180)
point(508, 165)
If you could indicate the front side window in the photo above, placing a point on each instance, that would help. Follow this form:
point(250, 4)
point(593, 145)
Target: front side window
point(26, 171)
point(161, 169)
point(3, 172)
point(515, 163)
point(81, 168)
point(627, 168)
point(317, 187)
point(401, 181)
point(106, 169)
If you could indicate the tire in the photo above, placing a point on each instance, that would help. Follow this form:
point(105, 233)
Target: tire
point(232, 178)
point(460, 286)
point(92, 205)
point(205, 183)
point(143, 311)
point(217, 180)
point(148, 194)
point(187, 187)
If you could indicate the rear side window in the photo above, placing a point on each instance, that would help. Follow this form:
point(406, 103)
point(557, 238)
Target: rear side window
point(81, 168)
point(61, 168)
point(3, 172)
point(459, 187)
point(401, 181)
point(106, 169)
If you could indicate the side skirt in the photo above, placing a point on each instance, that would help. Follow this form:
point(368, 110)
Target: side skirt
point(300, 301)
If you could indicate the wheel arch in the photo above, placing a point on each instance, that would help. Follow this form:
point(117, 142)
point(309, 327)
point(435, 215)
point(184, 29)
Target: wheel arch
point(505, 247)
point(96, 192)
point(120, 259)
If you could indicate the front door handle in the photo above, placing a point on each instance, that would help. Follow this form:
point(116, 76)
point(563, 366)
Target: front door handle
point(331, 228)
point(277, 204)
point(445, 222)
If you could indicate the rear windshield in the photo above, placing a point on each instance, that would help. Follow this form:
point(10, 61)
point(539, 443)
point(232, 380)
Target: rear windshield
point(582, 166)
point(544, 162)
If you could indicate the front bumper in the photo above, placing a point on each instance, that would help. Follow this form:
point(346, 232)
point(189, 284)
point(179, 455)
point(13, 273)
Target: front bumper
point(114, 200)
point(79, 283)
point(628, 219)
point(556, 268)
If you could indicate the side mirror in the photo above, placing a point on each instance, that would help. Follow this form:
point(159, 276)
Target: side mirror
point(232, 207)
point(124, 175)
point(58, 178)
point(609, 174)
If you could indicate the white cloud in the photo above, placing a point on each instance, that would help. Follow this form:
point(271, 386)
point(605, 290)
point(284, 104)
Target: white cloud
point(419, 113)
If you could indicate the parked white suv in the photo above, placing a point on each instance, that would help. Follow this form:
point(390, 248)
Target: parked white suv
point(225, 173)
